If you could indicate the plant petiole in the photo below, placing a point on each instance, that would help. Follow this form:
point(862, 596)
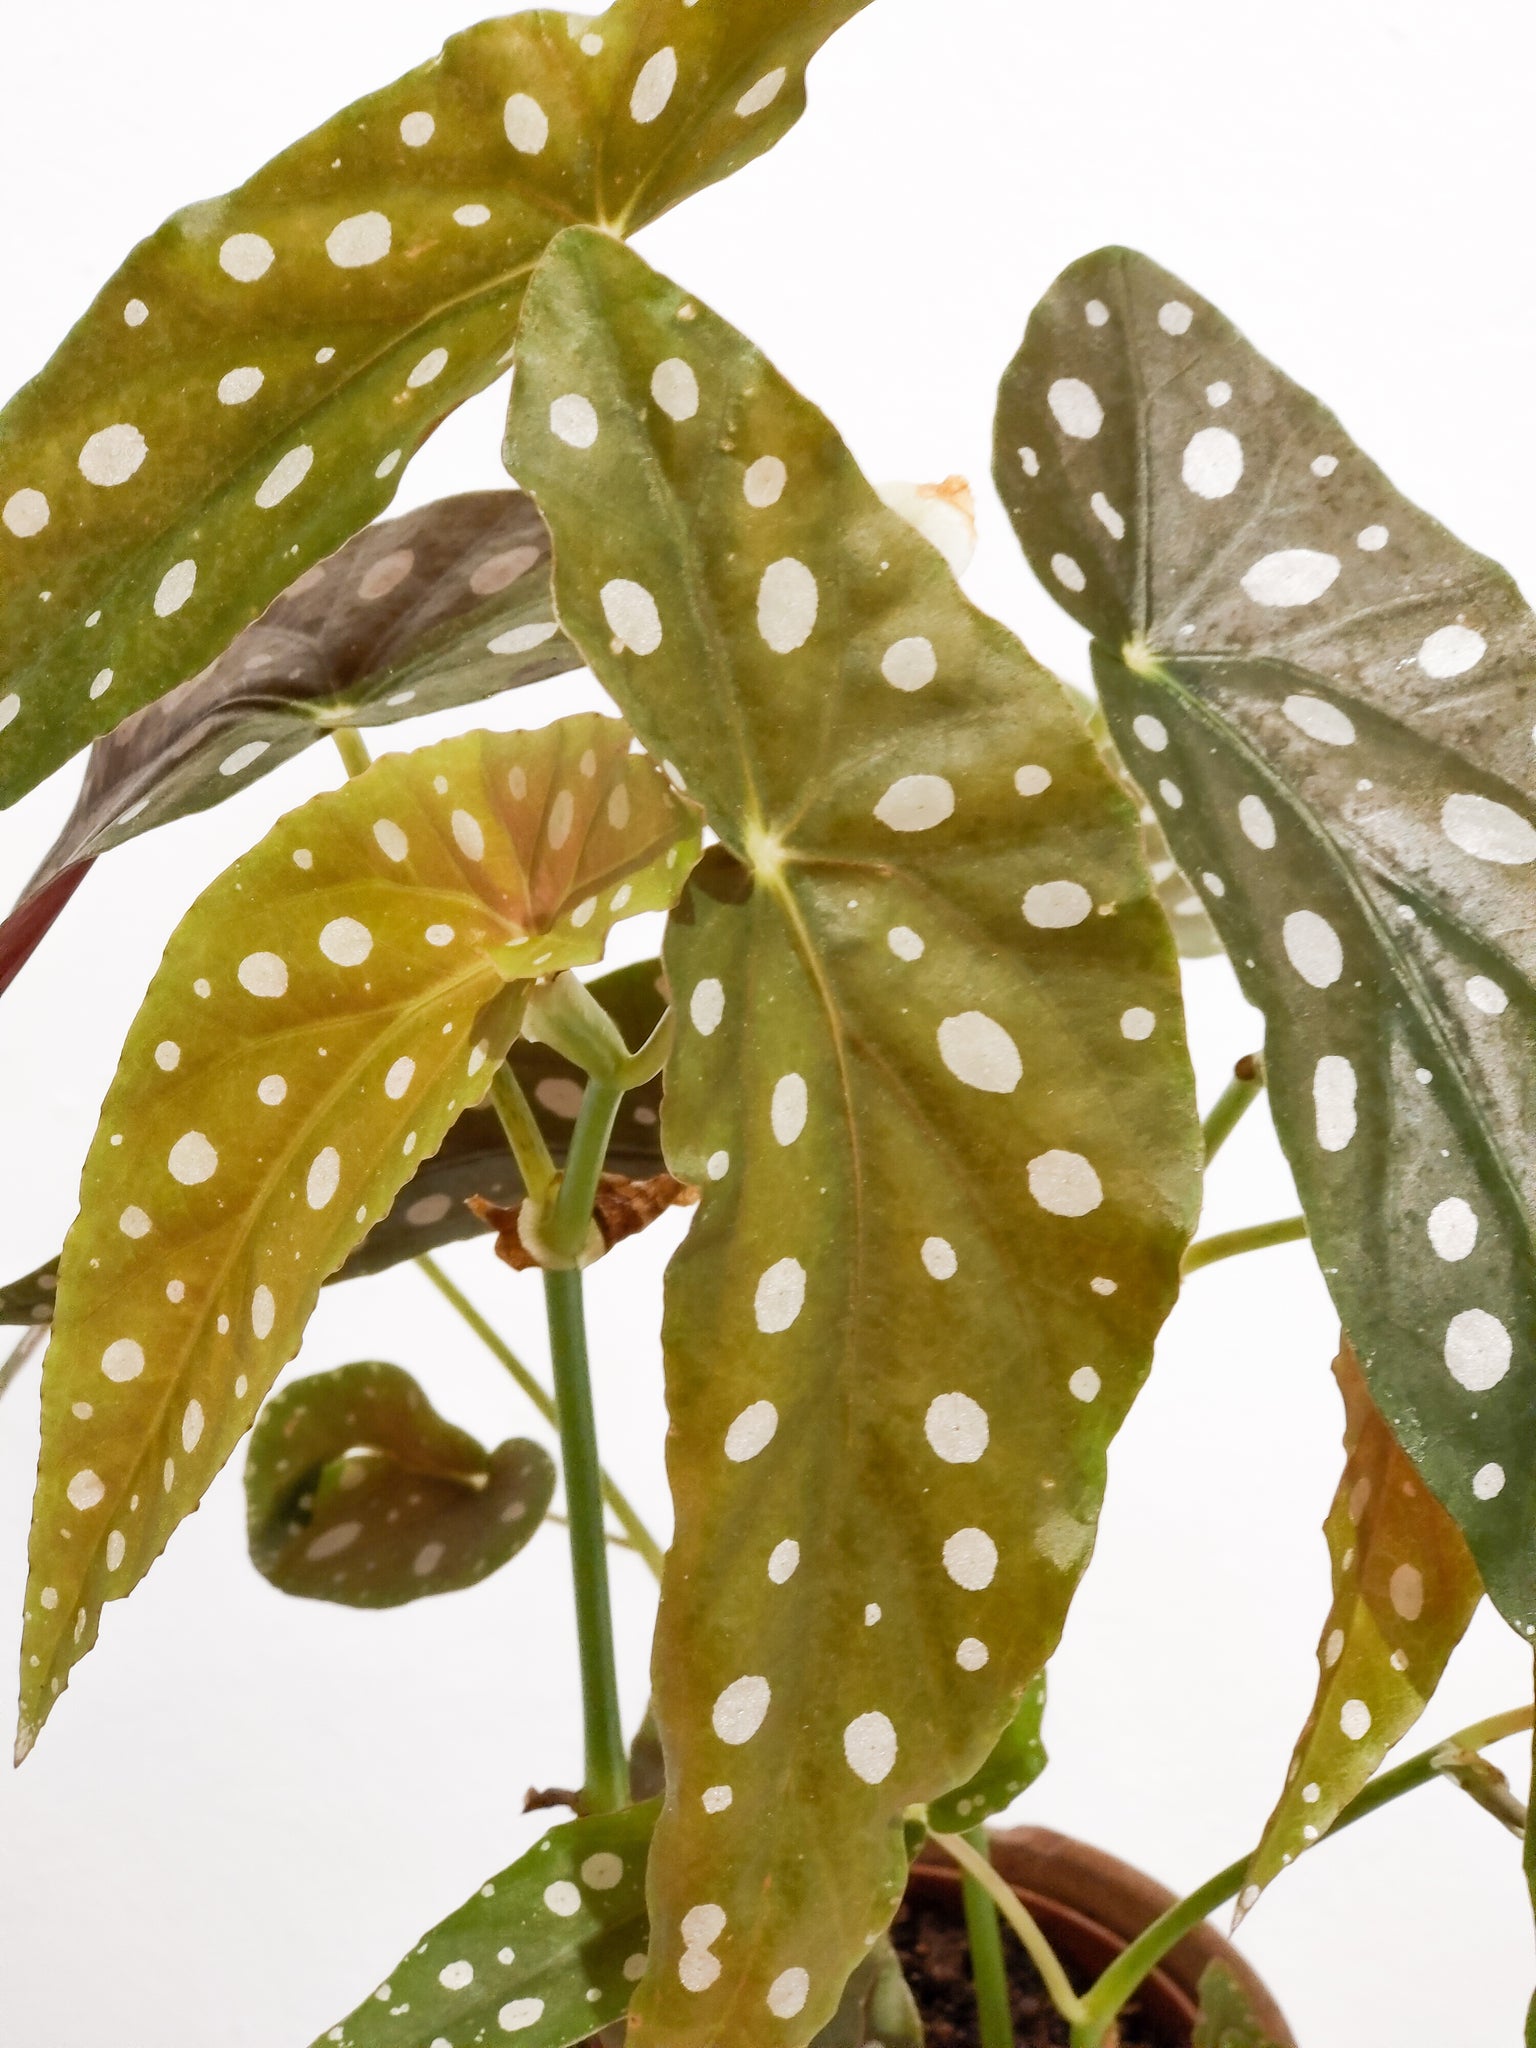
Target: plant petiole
point(989, 1966)
point(353, 749)
point(1240, 1093)
point(1253, 1237)
point(526, 1140)
point(1045, 1959)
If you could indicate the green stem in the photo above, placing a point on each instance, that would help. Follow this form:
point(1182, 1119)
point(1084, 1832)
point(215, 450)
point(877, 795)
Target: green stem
point(1245, 1087)
point(1119, 1982)
point(634, 1529)
point(566, 1227)
point(355, 757)
point(523, 1135)
point(1016, 1913)
point(607, 1767)
point(989, 1968)
point(1253, 1237)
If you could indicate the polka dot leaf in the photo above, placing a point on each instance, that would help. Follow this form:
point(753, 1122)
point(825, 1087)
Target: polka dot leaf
point(358, 1491)
point(1329, 702)
point(246, 391)
point(322, 1015)
point(1015, 1763)
point(945, 1192)
point(876, 2006)
point(1227, 2018)
point(1404, 1590)
point(441, 608)
point(547, 1952)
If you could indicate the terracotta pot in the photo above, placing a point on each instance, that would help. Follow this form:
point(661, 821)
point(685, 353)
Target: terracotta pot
point(1090, 1906)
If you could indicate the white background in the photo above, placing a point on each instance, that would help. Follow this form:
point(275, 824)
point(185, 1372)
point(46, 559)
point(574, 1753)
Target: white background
point(247, 1807)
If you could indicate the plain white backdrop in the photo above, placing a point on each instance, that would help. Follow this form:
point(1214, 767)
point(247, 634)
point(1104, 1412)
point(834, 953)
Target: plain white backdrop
point(248, 1807)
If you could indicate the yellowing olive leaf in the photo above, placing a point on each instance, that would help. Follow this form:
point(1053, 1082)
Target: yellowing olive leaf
point(322, 1015)
point(549, 1950)
point(243, 394)
point(358, 1491)
point(931, 1077)
point(1014, 1764)
point(1227, 2018)
point(1404, 1590)
point(473, 1159)
point(1329, 701)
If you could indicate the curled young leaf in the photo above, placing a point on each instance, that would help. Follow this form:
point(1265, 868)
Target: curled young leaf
point(1404, 1590)
point(244, 393)
point(549, 1950)
point(923, 962)
point(322, 1015)
point(1329, 701)
point(358, 1491)
point(1016, 1761)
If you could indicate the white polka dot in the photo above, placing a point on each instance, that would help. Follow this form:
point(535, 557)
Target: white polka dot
point(242, 757)
point(385, 575)
point(788, 1110)
point(938, 1256)
point(600, 1873)
point(526, 124)
point(263, 974)
point(135, 313)
point(1218, 394)
point(1488, 1482)
point(473, 216)
point(562, 1898)
point(1175, 317)
point(562, 815)
point(324, 1177)
point(1451, 652)
point(1171, 794)
point(245, 257)
point(1213, 463)
point(192, 1426)
point(117, 1550)
point(1453, 1229)
point(1372, 539)
point(389, 465)
point(1290, 577)
point(763, 484)
point(1137, 1023)
point(285, 478)
point(168, 1055)
point(632, 616)
point(957, 1428)
point(905, 943)
point(346, 942)
point(469, 837)
point(1102, 1286)
point(706, 1007)
point(653, 87)
point(1355, 1719)
point(916, 803)
point(391, 841)
point(1151, 731)
point(1054, 906)
point(1333, 1101)
point(869, 1744)
point(1477, 1350)
point(85, 1491)
point(910, 664)
point(1488, 831)
point(1029, 461)
point(428, 370)
point(416, 131)
point(26, 513)
point(970, 1558)
point(522, 639)
point(1084, 1384)
point(1324, 465)
point(192, 1159)
point(1320, 720)
point(675, 388)
point(1406, 1589)
point(398, 1079)
point(100, 685)
point(263, 1312)
point(1032, 780)
point(113, 455)
point(175, 587)
point(361, 239)
point(716, 1799)
point(519, 2013)
point(1312, 947)
point(1258, 826)
point(978, 1051)
point(1068, 573)
point(751, 1432)
point(1486, 995)
point(456, 1976)
point(272, 1089)
point(780, 1296)
point(718, 1165)
point(787, 601)
point(1333, 1649)
point(738, 1714)
point(1107, 516)
point(761, 95)
point(972, 1654)
point(123, 1360)
point(573, 420)
point(428, 1209)
point(1076, 407)
point(1065, 1184)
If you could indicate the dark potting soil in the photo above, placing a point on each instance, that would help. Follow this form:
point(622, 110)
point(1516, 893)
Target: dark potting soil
point(936, 1960)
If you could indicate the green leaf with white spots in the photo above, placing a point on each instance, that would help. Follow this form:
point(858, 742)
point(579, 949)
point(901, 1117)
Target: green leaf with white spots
point(244, 393)
point(877, 2009)
point(549, 1951)
point(1329, 700)
point(1404, 1590)
point(1013, 1766)
point(358, 1491)
point(474, 1159)
point(322, 1015)
point(440, 608)
point(1227, 2018)
point(931, 1077)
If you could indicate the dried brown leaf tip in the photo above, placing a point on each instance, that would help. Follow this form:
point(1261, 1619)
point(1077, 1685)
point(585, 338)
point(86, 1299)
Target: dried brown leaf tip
point(623, 1208)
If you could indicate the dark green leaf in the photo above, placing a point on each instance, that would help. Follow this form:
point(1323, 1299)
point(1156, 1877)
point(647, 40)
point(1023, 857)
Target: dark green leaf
point(322, 1015)
point(859, 1589)
point(245, 392)
point(1227, 2019)
point(1329, 700)
point(356, 1490)
point(877, 2010)
point(1404, 1590)
point(549, 1950)
point(1014, 1764)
